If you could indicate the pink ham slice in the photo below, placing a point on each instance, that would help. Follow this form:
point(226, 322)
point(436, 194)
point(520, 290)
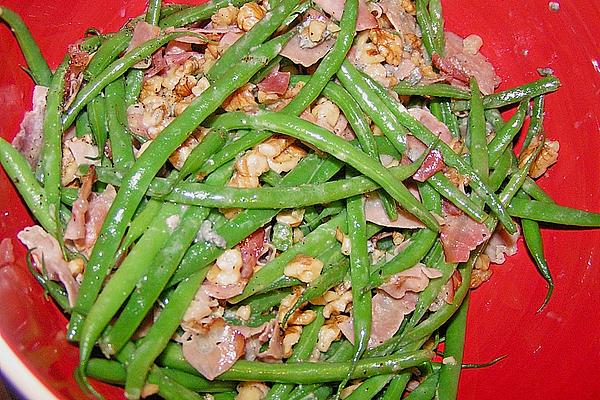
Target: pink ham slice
point(432, 164)
point(459, 65)
point(142, 32)
point(30, 137)
point(501, 244)
point(98, 208)
point(400, 19)
point(75, 230)
point(223, 292)
point(215, 351)
point(335, 8)
point(460, 234)
point(414, 279)
point(387, 313)
point(47, 256)
point(415, 147)
point(251, 248)
point(375, 213)
point(308, 56)
point(276, 82)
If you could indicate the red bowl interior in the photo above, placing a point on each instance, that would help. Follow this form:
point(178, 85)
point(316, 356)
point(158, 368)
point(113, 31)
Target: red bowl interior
point(547, 351)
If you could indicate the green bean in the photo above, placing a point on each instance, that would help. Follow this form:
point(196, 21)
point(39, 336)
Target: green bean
point(153, 281)
point(373, 106)
point(170, 9)
point(535, 245)
point(92, 41)
point(198, 13)
point(196, 383)
point(446, 188)
point(51, 154)
point(82, 125)
point(427, 389)
point(331, 62)
point(477, 134)
point(501, 169)
point(537, 121)
point(359, 276)
point(300, 352)
point(120, 139)
point(134, 81)
point(112, 72)
point(124, 279)
point(369, 388)
point(437, 26)
point(404, 88)
point(260, 32)
point(450, 157)
point(108, 52)
point(97, 116)
point(169, 389)
point(264, 72)
point(396, 386)
point(137, 180)
point(139, 225)
point(514, 95)
point(38, 68)
point(273, 197)
point(19, 171)
point(153, 12)
point(333, 145)
point(52, 288)
point(424, 21)
point(159, 334)
point(531, 188)
point(506, 134)
point(316, 242)
point(552, 213)
point(302, 372)
point(447, 388)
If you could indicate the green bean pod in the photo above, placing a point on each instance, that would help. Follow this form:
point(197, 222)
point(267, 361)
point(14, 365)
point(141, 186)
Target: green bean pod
point(552, 213)
point(478, 150)
point(198, 13)
point(506, 134)
point(108, 52)
point(404, 88)
point(38, 67)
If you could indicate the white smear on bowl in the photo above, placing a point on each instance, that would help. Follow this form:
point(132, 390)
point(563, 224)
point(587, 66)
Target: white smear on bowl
point(554, 6)
point(596, 66)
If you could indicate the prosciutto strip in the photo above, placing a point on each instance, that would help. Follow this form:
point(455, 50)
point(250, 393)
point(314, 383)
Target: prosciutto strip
point(460, 234)
point(384, 326)
point(335, 8)
point(47, 256)
point(75, 230)
point(460, 64)
point(215, 351)
point(414, 280)
point(30, 137)
point(400, 19)
point(375, 213)
point(251, 248)
point(432, 163)
point(501, 244)
point(276, 82)
point(299, 54)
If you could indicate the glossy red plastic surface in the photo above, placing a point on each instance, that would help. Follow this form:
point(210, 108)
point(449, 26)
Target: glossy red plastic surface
point(554, 354)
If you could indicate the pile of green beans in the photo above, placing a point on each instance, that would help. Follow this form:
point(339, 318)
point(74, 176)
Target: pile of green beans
point(153, 253)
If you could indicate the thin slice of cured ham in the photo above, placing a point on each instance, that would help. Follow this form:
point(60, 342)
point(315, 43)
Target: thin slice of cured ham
point(215, 351)
point(460, 234)
point(30, 137)
point(415, 147)
point(142, 32)
point(387, 313)
point(275, 82)
point(335, 8)
point(251, 248)
point(47, 256)
point(432, 163)
point(307, 56)
point(75, 230)
point(414, 279)
point(460, 64)
point(375, 213)
point(400, 19)
point(501, 244)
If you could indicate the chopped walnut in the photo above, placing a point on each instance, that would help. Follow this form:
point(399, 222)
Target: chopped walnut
point(227, 268)
point(344, 240)
point(547, 157)
point(179, 156)
point(252, 163)
point(273, 146)
point(327, 335)
point(338, 305)
point(251, 391)
point(389, 45)
point(291, 337)
point(225, 17)
point(316, 29)
point(242, 99)
point(304, 268)
point(248, 15)
point(291, 217)
point(481, 271)
point(302, 317)
point(287, 159)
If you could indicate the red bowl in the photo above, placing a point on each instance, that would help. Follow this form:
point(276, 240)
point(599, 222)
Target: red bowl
point(548, 352)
